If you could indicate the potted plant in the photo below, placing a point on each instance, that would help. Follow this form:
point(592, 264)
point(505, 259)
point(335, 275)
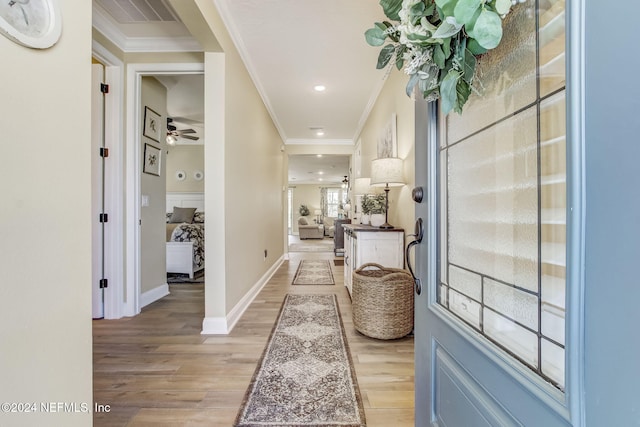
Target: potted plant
point(303, 210)
point(377, 209)
point(372, 204)
point(366, 210)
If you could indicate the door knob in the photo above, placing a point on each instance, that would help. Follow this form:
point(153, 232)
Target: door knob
point(417, 194)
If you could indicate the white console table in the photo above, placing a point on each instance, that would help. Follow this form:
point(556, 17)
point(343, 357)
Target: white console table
point(364, 244)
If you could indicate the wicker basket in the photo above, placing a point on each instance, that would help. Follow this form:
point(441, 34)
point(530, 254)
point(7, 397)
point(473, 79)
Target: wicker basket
point(382, 301)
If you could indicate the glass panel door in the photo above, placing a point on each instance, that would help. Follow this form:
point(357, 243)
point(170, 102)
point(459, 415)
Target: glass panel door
point(503, 196)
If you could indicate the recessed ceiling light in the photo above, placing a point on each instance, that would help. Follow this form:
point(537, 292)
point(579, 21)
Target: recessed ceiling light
point(320, 132)
point(318, 155)
point(319, 88)
point(320, 173)
point(319, 179)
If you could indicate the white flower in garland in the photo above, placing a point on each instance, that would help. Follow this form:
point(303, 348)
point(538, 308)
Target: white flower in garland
point(437, 41)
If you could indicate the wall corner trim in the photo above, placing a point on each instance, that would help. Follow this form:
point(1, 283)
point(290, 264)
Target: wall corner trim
point(224, 325)
point(214, 326)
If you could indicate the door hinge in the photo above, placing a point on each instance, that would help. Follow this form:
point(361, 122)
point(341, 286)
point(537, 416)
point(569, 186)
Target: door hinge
point(104, 88)
point(104, 152)
point(104, 283)
point(104, 217)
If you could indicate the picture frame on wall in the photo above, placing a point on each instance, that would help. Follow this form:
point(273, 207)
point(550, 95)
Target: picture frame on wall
point(387, 142)
point(152, 124)
point(152, 160)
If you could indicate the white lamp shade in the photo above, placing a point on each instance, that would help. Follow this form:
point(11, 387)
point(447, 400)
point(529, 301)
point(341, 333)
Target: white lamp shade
point(387, 171)
point(361, 186)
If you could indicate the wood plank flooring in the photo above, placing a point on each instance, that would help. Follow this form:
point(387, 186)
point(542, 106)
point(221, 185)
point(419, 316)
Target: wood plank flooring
point(156, 369)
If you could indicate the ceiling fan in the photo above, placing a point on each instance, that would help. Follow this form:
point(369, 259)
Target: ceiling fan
point(174, 133)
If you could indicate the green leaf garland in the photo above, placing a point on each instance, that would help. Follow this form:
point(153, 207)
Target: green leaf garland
point(436, 43)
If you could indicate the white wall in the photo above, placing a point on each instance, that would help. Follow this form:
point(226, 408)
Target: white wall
point(153, 255)
point(45, 240)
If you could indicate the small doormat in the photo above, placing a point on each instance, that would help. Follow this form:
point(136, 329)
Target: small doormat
point(314, 272)
point(305, 376)
point(198, 277)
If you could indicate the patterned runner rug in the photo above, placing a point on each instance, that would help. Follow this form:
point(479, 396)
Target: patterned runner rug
point(305, 376)
point(314, 272)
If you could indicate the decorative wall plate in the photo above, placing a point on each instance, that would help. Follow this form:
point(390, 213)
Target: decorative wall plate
point(198, 175)
point(32, 23)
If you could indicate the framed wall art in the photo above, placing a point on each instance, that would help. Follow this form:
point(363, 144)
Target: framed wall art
point(152, 159)
point(152, 126)
point(387, 142)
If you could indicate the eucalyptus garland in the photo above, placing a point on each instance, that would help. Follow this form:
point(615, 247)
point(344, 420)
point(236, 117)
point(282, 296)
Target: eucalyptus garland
point(437, 42)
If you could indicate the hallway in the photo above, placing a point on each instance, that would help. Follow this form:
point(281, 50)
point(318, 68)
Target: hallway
point(156, 368)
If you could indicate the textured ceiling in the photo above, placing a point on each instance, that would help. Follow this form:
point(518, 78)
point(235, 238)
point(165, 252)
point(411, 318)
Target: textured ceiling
point(311, 169)
point(291, 45)
point(288, 47)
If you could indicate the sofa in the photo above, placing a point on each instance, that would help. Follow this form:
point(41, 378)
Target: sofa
point(310, 231)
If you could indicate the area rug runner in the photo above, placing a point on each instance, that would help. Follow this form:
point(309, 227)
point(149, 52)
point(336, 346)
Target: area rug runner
point(314, 272)
point(312, 245)
point(305, 376)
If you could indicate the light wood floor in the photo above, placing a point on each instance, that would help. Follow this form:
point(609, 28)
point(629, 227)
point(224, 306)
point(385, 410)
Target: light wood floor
point(156, 369)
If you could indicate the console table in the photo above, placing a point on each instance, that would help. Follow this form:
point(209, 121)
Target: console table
point(338, 236)
point(365, 243)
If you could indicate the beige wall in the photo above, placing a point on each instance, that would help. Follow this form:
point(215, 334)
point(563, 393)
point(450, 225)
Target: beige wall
point(153, 254)
point(243, 175)
point(393, 99)
point(45, 298)
point(186, 158)
point(305, 194)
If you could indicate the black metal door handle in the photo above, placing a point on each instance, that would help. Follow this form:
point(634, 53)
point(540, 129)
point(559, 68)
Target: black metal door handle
point(419, 233)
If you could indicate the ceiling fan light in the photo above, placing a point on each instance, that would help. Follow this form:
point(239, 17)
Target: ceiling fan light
point(171, 140)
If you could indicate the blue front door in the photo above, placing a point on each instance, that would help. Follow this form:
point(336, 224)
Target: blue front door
point(492, 313)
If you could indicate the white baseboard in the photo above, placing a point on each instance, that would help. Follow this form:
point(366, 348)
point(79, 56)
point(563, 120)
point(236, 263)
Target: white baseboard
point(215, 326)
point(154, 295)
point(224, 325)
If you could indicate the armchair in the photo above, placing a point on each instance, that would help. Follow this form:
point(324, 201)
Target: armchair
point(328, 226)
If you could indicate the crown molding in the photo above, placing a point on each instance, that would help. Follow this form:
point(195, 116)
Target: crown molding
point(375, 93)
point(294, 141)
point(106, 26)
point(246, 59)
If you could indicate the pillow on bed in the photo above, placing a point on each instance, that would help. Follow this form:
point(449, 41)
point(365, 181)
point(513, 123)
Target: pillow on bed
point(198, 218)
point(182, 215)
